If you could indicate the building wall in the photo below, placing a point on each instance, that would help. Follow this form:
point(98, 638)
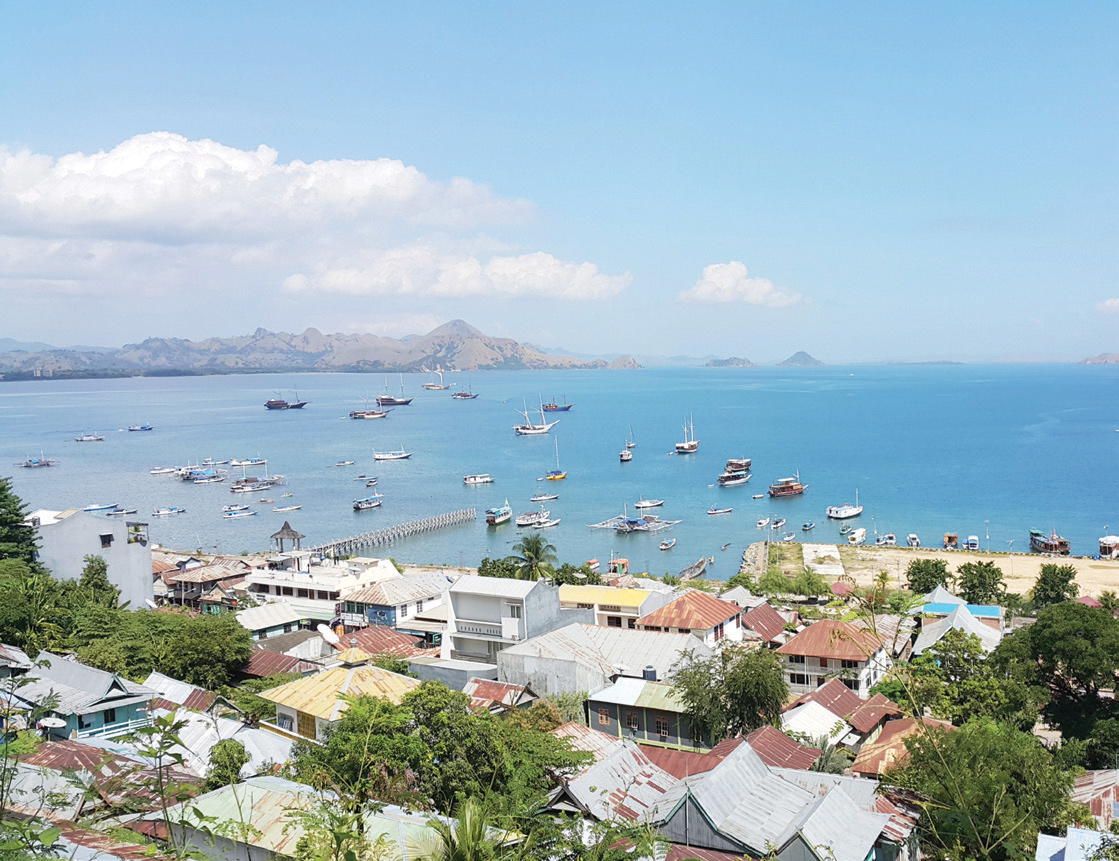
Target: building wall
point(64, 545)
point(124, 719)
point(805, 678)
point(549, 676)
point(689, 825)
point(679, 733)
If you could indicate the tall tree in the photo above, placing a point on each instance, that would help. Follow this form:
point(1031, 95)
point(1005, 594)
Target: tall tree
point(980, 583)
point(924, 575)
point(1054, 585)
point(735, 690)
point(534, 558)
point(95, 586)
point(17, 539)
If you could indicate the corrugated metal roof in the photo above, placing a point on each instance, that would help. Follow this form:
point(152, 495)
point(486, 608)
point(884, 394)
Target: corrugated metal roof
point(624, 785)
point(779, 751)
point(14, 657)
point(840, 700)
point(263, 663)
point(837, 824)
point(272, 615)
point(318, 695)
point(742, 597)
point(961, 619)
point(582, 737)
point(889, 748)
point(78, 689)
point(766, 621)
point(1100, 791)
point(641, 694)
point(578, 594)
point(382, 640)
point(633, 650)
point(400, 590)
point(200, 733)
point(491, 693)
point(501, 587)
point(180, 693)
point(813, 720)
point(692, 611)
point(830, 638)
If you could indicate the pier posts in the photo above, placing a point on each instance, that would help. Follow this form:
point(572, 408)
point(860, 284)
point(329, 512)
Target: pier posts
point(390, 534)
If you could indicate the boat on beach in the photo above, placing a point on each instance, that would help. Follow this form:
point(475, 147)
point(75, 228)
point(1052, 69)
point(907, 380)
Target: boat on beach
point(690, 445)
point(912, 540)
point(399, 454)
point(1048, 542)
point(499, 514)
point(368, 502)
point(846, 510)
point(787, 487)
point(479, 478)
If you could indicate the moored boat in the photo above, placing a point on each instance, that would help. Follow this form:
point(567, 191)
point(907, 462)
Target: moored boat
point(399, 454)
point(846, 510)
point(166, 512)
point(787, 487)
point(228, 508)
point(913, 540)
point(531, 518)
point(479, 478)
point(89, 437)
point(715, 509)
point(543, 497)
point(648, 503)
point(690, 445)
point(732, 479)
point(554, 407)
point(437, 386)
point(779, 522)
point(140, 427)
point(806, 526)
point(367, 502)
point(499, 514)
point(368, 413)
point(279, 403)
point(763, 522)
point(556, 474)
point(625, 455)
point(789, 536)
point(856, 536)
point(530, 429)
point(693, 571)
point(464, 396)
point(387, 400)
point(36, 462)
point(232, 514)
point(668, 544)
point(101, 507)
point(738, 464)
point(287, 508)
point(545, 524)
point(1050, 542)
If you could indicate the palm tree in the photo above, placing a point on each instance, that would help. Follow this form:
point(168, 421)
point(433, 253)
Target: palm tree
point(467, 838)
point(536, 558)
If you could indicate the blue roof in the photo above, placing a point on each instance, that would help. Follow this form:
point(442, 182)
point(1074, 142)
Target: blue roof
point(979, 610)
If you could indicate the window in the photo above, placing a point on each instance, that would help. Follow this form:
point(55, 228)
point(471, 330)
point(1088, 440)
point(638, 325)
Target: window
point(632, 624)
point(719, 632)
point(853, 684)
point(798, 679)
point(107, 540)
point(287, 590)
point(613, 622)
point(284, 722)
point(850, 665)
point(419, 606)
point(604, 717)
point(661, 725)
point(85, 722)
point(796, 659)
point(301, 593)
point(324, 596)
point(110, 715)
point(633, 721)
point(515, 610)
point(584, 606)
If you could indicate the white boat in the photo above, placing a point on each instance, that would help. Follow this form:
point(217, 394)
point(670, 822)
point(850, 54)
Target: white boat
point(545, 524)
point(140, 427)
point(530, 429)
point(913, 540)
point(543, 497)
point(232, 514)
point(437, 387)
point(500, 514)
point(101, 507)
point(369, 413)
point(531, 518)
point(732, 479)
point(625, 455)
point(630, 441)
point(89, 437)
point(256, 461)
point(668, 544)
point(368, 502)
point(856, 536)
point(227, 508)
point(846, 510)
point(399, 454)
point(35, 462)
point(480, 478)
point(648, 503)
point(763, 523)
point(166, 512)
point(690, 445)
point(759, 496)
point(715, 509)
point(738, 464)
point(887, 540)
point(779, 522)
point(344, 463)
point(789, 536)
point(209, 479)
point(163, 470)
point(287, 508)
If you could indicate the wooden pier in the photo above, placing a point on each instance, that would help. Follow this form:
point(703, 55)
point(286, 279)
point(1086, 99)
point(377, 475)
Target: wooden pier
point(381, 537)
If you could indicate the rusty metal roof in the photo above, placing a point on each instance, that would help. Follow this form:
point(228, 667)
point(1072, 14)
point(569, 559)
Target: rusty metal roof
point(766, 621)
point(263, 663)
point(693, 610)
point(830, 638)
point(778, 750)
point(382, 640)
point(318, 695)
point(840, 700)
point(889, 748)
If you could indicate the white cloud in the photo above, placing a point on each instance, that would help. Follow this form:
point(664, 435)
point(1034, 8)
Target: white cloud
point(730, 282)
point(1108, 306)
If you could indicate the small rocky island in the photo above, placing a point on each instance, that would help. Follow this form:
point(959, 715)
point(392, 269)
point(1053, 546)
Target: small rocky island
point(801, 360)
point(732, 362)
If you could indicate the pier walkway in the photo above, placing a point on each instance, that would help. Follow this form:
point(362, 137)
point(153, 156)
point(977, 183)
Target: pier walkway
point(389, 534)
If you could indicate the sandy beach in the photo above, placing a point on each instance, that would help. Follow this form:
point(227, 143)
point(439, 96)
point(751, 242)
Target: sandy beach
point(1020, 570)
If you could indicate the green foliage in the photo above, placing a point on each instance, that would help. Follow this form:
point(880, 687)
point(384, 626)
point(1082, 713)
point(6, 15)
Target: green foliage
point(227, 757)
point(1054, 585)
point(17, 540)
point(535, 558)
point(924, 575)
point(37, 609)
point(808, 582)
point(745, 579)
point(582, 575)
point(774, 582)
point(255, 707)
point(95, 586)
point(1102, 747)
point(393, 665)
point(987, 790)
point(980, 583)
point(570, 706)
point(736, 690)
point(832, 759)
point(498, 568)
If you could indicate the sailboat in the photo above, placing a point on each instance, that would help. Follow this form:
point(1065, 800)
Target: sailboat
point(437, 387)
point(387, 400)
point(630, 441)
point(690, 445)
point(528, 428)
point(556, 474)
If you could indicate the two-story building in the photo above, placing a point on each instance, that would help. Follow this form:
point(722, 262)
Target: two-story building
point(67, 537)
point(394, 601)
point(643, 711)
point(697, 613)
point(314, 585)
point(613, 607)
point(831, 649)
point(488, 614)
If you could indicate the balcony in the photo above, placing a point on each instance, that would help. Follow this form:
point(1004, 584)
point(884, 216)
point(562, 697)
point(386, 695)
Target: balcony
point(507, 629)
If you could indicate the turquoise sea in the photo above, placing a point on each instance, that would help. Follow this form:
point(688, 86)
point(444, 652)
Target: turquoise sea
point(989, 450)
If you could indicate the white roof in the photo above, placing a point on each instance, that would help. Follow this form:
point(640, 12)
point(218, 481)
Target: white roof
point(501, 587)
point(940, 595)
point(269, 616)
point(813, 721)
point(933, 630)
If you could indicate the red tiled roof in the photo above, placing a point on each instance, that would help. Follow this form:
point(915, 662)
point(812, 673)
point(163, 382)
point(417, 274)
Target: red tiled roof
point(829, 638)
point(777, 750)
point(889, 748)
point(693, 610)
point(382, 640)
point(766, 621)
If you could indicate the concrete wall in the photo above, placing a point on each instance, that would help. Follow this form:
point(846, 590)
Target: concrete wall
point(453, 676)
point(550, 676)
point(64, 545)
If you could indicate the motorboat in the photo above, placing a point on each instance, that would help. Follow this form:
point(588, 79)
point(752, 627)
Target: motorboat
point(625, 455)
point(648, 503)
point(140, 427)
point(531, 518)
point(545, 524)
point(89, 437)
point(668, 544)
point(232, 514)
point(592, 564)
point(500, 514)
point(480, 478)
point(344, 463)
point(972, 543)
point(399, 454)
point(690, 445)
point(715, 509)
point(371, 482)
point(166, 512)
point(163, 470)
point(108, 507)
point(912, 540)
point(789, 536)
point(787, 487)
point(806, 526)
point(252, 461)
point(732, 479)
point(844, 530)
point(759, 496)
point(856, 536)
point(763, 523)
point(543, 497)
point(779, 522)
point(846, 510)
point(287, 508)
point(887, 540)
point(368, 502)
point(227, 508)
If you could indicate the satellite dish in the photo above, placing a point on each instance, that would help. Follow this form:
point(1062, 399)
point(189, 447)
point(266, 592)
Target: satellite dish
point(328, 634)
point(52, 723)
point(151, 603)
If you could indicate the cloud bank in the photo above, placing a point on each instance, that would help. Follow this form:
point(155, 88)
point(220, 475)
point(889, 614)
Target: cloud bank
point(164, 214)
point(1108, 306)
point(730, 282)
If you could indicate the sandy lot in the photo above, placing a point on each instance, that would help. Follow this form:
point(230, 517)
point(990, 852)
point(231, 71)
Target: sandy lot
point(1020, 570)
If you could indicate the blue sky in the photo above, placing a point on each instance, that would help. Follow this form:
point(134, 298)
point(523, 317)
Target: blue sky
point(864, 181)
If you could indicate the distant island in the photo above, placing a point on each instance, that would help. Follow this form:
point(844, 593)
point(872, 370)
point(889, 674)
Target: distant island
point(732, 362)
point(800, 360)
point(1102, 359)
point(453, 346)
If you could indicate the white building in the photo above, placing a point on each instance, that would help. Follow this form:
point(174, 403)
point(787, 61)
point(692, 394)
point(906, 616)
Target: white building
point(67, 537)
point(314, 585)
point(395, 600)
point(830, 649)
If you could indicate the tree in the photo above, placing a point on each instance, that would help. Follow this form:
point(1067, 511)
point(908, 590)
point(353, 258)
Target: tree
point(582, 575)
point(986, 790)
point(535, 558)
point(736, 690)
point(980, 582)
point(924, 575)
point(17, 539)
point(1054, 585)
point(497, 568)
point(95, 586)
point(227, 758)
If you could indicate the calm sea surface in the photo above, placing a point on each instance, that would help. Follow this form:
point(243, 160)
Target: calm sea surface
point(971, 449)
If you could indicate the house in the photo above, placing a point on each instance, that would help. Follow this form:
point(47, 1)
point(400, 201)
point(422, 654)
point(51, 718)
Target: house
point(263, 663)
point(488, 614)
point(307, 707)
point(267, 751)
point(696, 612)
point(312, 584)
point(171, 693)
point(380, 640)
point(189, 583)
point(393, 601)
point(742, 597)
point(888, 749)
point(1099, 790)
point(813, 721)
point(66, 538)
point(586, 657)
point(90, 702)
point(269, 620)
point(940, 602)
point(959, 618)
point(642, 711)
point(775, 748)
point(767, 623)
point(13, 661)
point(613, 607)
point(865, 717)
point(833, 649)
point(496, 697)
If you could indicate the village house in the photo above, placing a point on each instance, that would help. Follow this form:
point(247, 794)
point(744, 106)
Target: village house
point(864, 717)
point(940, 602)
point(613, 607)
point(393, 601)
point(66, 538)
point(696, 612)
point(270, 620)
point(311, 584)
point(959, 618)
point(642, 711)
point(831, 649)
point(767, 623)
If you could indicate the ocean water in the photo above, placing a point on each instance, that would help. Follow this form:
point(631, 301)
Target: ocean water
point(983, 450)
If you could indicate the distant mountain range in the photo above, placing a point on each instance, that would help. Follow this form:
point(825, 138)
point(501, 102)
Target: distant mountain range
point(455, 345)
point(1102, 359)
